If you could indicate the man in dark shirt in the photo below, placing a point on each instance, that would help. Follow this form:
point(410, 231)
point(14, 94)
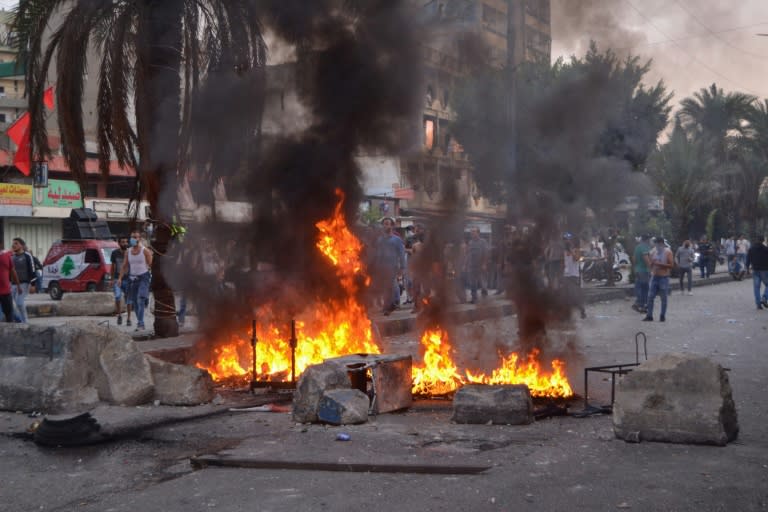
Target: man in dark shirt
point(477, 262)
point(390, 263)
point(757, 258)
point(706, 253)
point(116, 259)
point(25, 270)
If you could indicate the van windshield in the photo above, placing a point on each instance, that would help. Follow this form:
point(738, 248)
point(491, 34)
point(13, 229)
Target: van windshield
point(107, 251)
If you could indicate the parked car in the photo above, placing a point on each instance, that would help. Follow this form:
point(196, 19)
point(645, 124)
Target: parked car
point(78, 266)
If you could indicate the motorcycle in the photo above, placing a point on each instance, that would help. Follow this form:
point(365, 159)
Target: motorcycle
point(597, 270)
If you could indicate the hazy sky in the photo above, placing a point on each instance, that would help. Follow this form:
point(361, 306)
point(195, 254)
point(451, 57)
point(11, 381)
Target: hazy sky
point(693, 43)
point(7, 4)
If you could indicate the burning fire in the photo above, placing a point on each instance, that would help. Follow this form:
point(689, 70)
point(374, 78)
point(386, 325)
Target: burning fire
point(438, 375)
point(340, 327)
point(325, 329)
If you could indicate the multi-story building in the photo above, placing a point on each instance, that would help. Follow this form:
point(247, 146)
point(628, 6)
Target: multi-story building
point(442, 157)
point(36, 214)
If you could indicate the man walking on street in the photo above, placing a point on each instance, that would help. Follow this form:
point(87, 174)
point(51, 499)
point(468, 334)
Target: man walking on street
point(757, 259)
point(661, 267)
point(642, 273)
point(25, 270)
point(7, 275)
point(684, 259)
point(116, 259)
point(136, 267)
point(706, 253)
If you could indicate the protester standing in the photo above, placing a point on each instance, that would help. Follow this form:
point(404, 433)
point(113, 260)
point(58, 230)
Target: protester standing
point(572, 286)
point(706, 253)
point(390, 264)
point(7, 276)
point(684, 257)
point(742, 248)
point(661, 267)
point(641, 261)
point(477, 262)
point(25, 270)
point(757, 259)
point(119, 287)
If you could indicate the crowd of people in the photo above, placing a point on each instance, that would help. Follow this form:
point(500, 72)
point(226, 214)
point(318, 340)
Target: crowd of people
point(20, 275)
point(654, 265)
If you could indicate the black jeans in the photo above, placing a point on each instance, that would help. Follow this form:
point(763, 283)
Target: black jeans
point(6, 301)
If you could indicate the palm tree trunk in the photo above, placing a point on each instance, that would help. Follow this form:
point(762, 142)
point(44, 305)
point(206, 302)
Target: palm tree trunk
point(158, 100)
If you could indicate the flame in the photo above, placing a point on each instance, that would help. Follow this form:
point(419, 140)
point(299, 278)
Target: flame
point(439, 375)
point(332, 328)
point(325, 329)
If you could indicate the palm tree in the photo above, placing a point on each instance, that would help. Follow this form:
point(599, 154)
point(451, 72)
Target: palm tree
point(753, 161)
point(718, 119)
point(157, 58)
point(682, 171)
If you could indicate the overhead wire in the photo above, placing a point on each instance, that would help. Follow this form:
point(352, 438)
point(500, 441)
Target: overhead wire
point(690, 38)
point(689, 54)
point(716, 35)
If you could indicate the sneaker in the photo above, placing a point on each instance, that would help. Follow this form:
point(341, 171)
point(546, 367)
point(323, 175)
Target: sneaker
point(759, 307)
point(765, 302)
point(128, 323)
point(140, 327)
point(662, 318)
point(119, 319)
point(637, 308)
point(648, 319)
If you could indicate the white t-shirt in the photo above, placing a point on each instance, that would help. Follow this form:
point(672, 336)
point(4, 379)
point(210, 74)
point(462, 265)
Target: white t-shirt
point(570, 265)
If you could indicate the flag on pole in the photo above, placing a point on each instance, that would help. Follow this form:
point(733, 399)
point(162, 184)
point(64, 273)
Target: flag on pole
point(18, 132)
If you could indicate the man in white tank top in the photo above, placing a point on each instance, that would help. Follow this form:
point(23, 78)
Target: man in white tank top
point(137, 263)
point(571, 273)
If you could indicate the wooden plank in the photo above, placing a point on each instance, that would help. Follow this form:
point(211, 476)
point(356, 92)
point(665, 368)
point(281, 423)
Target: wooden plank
point(204, 461)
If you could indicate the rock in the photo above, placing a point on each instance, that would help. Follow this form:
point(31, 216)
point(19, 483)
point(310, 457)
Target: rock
point(127, 371)
point(501, 405)
point(87, 304)
point(316, 380)
point(343, 407)
point(69, 368)
point(177, 384)
point(676, 399)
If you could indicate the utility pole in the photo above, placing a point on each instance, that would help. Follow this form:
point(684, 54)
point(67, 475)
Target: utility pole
point(511, 106)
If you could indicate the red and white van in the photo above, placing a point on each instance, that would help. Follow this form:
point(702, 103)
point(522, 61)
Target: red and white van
point(78, 266)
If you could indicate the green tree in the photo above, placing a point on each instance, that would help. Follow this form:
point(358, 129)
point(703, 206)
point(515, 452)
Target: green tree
point(682, 171)
point(165, 55)
point(753, 161)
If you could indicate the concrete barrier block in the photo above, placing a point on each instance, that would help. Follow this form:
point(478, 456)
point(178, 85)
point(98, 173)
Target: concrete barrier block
point(676, 399)
point(499, 404)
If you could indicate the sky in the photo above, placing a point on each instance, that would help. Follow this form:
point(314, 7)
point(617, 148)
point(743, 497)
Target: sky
point(7, 4)
point(693, 43)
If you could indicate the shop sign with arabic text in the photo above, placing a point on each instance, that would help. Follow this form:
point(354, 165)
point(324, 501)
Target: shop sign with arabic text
point(59, 194)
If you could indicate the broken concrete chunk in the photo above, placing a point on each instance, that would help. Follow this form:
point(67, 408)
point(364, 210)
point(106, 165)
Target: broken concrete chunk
point(501, 405)
point(343, 407)
point(177, 384)
point(127, 371)
point(676, 399)
point(316, 380)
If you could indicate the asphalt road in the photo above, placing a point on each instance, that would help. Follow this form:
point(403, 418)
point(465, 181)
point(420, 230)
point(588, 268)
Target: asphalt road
point(563, 463)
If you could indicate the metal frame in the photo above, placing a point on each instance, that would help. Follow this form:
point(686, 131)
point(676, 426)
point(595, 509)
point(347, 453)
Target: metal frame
point(613, 370)
point(255, 383)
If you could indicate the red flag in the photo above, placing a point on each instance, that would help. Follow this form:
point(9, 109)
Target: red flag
point(19, 128)
point(48, 98)
point(22, 159)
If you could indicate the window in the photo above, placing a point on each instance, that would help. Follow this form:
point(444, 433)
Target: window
point(429, 133)
point(2, 118)
point(2, 91)
point(92, 256)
